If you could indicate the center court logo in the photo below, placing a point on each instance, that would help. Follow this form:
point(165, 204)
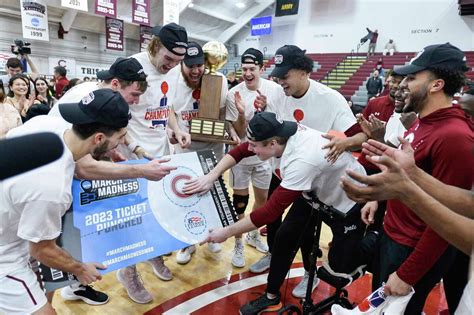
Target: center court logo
point(195, 222)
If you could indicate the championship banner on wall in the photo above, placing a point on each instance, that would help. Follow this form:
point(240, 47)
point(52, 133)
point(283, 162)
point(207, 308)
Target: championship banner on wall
point(170, 11)
point(286, 7)
point(34, 20)
point(106, 8)
point(123, 222)
point(113, 34)
point(75, 4)
point(145, 37)
point(141, 12)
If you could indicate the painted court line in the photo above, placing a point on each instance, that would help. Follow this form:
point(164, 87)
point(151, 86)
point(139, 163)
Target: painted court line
point(216, 294)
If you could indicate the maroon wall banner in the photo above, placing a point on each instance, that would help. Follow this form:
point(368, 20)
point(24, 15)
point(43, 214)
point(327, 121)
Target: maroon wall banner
point(114, 33)
point(106, 8)
point(145, 37)
point(141, 12)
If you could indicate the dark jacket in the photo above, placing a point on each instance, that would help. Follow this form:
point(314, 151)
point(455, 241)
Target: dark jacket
point(374, 85)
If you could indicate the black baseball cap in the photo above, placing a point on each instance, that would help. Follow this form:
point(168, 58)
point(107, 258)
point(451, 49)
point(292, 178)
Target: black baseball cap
point(444, 56)
point(128, 69)
point(103, 106)
point(265, 125)
point(284, 59)
point(172, 36)
point(194, 55)
point(253, 56)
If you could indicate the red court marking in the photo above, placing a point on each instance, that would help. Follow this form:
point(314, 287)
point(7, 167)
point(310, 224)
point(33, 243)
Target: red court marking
point(358, 291)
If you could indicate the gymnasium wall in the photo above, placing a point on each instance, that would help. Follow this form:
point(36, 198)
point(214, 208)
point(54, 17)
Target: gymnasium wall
point(71, 47)
point(330, 26)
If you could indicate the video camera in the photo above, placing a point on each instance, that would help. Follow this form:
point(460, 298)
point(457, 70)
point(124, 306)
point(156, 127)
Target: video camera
point(21, 47)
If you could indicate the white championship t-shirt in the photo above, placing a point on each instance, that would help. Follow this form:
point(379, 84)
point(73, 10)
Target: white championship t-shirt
point(303, 167)
point(32, 204)
point(74, 95)
point(150, 116)
point(321, 108)
point(186, 106)
point(270, 89)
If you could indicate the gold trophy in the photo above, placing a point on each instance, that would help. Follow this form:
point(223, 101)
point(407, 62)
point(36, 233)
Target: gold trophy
point(208, 127)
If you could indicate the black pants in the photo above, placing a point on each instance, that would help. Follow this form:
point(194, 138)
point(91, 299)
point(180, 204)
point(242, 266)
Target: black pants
point(273, 227)
point(297, 231)
point(455, 280)
point(391, 257)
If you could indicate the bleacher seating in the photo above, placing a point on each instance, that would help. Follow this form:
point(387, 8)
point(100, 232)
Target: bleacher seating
point(355, 87)
point(353, 77)
point(470, 63)
point(326, 63)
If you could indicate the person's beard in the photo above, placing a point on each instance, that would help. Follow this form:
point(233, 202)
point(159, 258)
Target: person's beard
point(392, 93)
point(416, 100)
point(99, 152)
point(189, 83)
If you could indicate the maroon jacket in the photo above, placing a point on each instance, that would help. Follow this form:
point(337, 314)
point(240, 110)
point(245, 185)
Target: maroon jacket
point(443, 142)
point(61, 83)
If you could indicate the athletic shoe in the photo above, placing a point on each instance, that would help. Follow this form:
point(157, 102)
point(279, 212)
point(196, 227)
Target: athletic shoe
point(300, 290)
point(85, 293)
point(214, 247)
point(184, 255)
point(261, 265)
point(261, 305)
point(132, 282)
point(264, 231)
point(253, 239)
point(238, 259)
point(160, 269)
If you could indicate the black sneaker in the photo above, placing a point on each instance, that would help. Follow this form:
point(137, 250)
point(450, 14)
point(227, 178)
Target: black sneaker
point(85, 293)
point(261, 305)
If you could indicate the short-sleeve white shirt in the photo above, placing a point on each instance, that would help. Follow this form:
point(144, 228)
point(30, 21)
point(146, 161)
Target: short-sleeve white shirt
point(32, 204)
point(394, 129)
point(150, 115)
point(270, 89)
point(303, 167)
point(74, 95)
point(321, 108)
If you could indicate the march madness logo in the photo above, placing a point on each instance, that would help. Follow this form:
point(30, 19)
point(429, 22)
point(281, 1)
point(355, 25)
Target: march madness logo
point(195, 223)
point(94, 190)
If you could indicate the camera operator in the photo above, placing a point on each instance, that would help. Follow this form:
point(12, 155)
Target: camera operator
point(14, 64)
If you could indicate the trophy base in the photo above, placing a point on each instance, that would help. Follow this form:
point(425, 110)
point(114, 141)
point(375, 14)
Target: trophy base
point(204, 138)
point(209, 130)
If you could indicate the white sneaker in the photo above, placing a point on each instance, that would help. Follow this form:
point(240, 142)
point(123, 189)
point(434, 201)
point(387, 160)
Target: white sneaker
point(184, 255)
point(238, 259)
point(300, 290)
point(214, 247)
point(253, 239)
point(262, 264)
